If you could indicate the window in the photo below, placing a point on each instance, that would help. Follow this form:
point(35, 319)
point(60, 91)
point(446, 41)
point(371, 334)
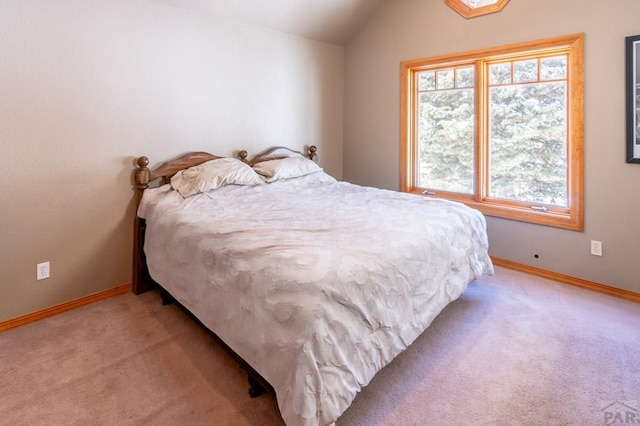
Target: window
point(499, 129)
point(472, 8)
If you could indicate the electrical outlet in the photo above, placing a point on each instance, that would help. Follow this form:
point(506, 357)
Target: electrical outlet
point(42, 270)
point(596, 248)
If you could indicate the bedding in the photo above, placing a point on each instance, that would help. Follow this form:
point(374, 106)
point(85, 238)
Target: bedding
point(212, 175)
point(285, 168)
point(317, 284)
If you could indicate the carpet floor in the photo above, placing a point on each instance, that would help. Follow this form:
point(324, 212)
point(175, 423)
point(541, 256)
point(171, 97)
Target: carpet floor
point(513, 350)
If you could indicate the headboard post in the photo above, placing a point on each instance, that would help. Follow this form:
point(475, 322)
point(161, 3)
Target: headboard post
point(312, 153)
point(141, 177)
point(242, 155)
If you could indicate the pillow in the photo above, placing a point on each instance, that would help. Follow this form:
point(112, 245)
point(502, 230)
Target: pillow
point(285, 168)
point(317, 178)
point(214, 174)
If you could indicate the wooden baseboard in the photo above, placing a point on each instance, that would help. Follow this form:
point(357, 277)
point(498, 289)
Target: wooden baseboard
point(566, 279)
point(63, 307)
point(125, 288)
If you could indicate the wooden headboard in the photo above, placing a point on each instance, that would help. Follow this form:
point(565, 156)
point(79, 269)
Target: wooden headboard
point(143, 176)
point(283, 152)
point(142, 281)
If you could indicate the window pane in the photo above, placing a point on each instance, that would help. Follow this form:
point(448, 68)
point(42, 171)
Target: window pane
point(525, 71)
point(445, 79)
point(500, 73)
point(464, 77)
point(553, 68)
point(474, 4)
point(528, 148)
point(426, 81)
point(446, 140)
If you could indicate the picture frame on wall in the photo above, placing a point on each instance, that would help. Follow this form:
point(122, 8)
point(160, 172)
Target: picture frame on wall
point(632, 49)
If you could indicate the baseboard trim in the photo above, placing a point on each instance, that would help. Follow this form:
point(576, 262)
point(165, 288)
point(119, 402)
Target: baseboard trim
point(125, 288)
point(63, 307)
point(567, 279)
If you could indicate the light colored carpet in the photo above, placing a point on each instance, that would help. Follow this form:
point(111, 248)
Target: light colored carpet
point(513, 350)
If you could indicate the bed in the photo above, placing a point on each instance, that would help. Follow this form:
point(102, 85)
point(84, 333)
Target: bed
point(314, 283)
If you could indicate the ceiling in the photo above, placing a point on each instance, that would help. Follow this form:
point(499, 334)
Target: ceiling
point(331, 21)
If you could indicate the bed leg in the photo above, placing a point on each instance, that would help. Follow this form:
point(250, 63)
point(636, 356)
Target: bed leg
point(167, 299)
point(255, 388)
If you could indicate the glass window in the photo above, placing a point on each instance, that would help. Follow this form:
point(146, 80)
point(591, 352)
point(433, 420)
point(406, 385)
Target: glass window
point(500, 73)
point(427, 80)
point(553, 68)
point(444, 79)
point(472, 8)
point(445, 133)
point(525, 71)
point(502, 131)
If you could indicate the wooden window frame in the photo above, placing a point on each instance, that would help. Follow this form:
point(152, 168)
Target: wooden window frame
point(470, 12)
point(572, 217)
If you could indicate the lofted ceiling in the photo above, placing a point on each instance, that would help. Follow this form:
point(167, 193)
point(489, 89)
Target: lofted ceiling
point(331, 21)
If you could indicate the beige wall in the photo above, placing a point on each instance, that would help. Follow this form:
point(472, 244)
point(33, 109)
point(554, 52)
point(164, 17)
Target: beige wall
point(411, 29)
point(86, 87)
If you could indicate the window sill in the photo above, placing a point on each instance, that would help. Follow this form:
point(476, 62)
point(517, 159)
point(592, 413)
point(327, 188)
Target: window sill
point(573, 222)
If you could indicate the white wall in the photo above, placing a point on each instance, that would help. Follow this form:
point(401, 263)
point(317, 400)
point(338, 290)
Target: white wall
point(412, 29)
point(87, 86)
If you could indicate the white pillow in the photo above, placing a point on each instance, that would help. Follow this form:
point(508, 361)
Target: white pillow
point(214, 174)
point(285, 168)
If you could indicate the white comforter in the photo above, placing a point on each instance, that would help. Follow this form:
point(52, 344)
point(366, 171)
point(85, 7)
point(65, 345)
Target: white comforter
point(317, 284)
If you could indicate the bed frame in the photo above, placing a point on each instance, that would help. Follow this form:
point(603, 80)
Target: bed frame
point(142, 281)
point(143, 177)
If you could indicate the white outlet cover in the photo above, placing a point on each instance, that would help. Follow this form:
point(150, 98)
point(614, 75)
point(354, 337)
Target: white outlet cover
point(596, 248)
point(42, 270)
